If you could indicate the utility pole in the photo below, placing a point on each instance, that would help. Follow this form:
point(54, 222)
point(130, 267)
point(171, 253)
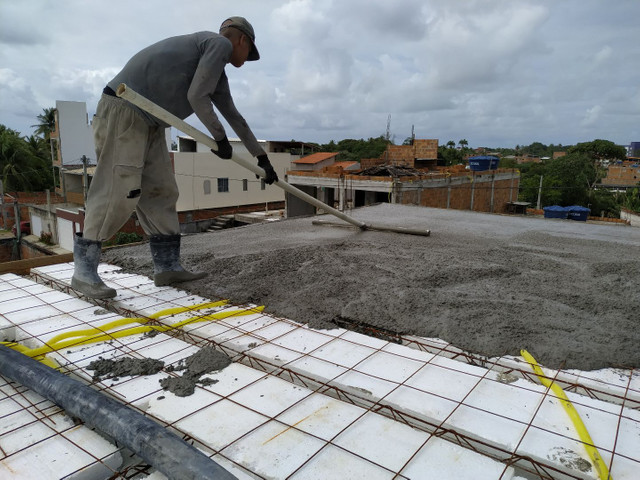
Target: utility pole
point(539, 192)
point(85, 179)
point(4, 213)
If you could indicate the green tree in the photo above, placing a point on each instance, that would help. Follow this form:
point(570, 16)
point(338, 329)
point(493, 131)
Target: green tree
point(463, 143)
point(449, 155)
point(355, 150)
point(599, 150)
point(47, 123)
point(20, 168)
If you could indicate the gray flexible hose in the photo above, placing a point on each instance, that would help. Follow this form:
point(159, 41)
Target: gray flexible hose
point(153, 443)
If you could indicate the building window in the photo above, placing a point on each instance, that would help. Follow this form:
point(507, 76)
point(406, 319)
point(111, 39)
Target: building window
point(245, 185)
point(223, 185)
point(207, 187)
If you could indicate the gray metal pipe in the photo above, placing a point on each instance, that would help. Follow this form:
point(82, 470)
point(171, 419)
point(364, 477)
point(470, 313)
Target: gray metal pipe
point(153, 443)
point(157, 111)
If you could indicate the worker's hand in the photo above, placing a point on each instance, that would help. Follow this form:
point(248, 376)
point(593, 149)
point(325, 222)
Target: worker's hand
point(270, 174)
point(224, 149)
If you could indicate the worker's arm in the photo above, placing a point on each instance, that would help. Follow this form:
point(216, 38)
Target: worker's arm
point(216, 52)
point(224, 103)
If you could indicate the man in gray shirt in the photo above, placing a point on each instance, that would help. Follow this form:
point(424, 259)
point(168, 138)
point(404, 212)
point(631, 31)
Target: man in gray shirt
point(183, 74)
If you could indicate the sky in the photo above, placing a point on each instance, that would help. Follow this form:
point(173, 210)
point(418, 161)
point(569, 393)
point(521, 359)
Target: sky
point(497, 73)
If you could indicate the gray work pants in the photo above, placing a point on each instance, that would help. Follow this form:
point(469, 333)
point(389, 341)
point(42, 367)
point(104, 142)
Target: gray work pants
point(134, 172)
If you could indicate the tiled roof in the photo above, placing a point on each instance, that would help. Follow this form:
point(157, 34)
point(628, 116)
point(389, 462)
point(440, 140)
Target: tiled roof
point(316, 157)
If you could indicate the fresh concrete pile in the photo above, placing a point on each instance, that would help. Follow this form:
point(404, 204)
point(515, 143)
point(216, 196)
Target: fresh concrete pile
point(490, 284)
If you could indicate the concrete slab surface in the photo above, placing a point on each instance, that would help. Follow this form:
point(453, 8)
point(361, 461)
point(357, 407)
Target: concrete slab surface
point(567, 291)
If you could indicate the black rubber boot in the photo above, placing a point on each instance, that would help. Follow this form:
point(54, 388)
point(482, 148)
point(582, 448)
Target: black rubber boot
point(86, 257)
point(165, 251)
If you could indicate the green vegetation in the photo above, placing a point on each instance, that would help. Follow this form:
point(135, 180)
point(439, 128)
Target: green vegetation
point(356, 150)
point(25, 162)
point(571, 180)
point(122, 238)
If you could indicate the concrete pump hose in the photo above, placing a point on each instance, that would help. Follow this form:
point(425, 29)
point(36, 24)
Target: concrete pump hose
point(157, 446)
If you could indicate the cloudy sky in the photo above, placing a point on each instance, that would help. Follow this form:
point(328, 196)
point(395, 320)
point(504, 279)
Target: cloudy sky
point(497, 73)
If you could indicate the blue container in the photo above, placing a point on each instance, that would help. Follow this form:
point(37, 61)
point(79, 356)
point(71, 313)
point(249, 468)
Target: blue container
point(483, 162)
point(576, 212)
point(556, 211)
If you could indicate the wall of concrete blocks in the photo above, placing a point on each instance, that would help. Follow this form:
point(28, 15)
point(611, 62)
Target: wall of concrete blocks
point(474, 196)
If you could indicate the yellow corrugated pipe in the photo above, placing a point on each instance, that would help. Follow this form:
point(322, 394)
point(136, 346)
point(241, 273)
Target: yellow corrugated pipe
point(98, 334)
point(594, 455)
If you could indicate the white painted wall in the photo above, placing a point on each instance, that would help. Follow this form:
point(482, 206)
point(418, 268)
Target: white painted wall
point(65, 234)
point(631, 217)
point(76, 134)
point(197, 176)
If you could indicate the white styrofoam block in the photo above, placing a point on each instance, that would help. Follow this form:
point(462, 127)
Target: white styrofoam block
point(256, 321)
point(7, 330)
point(171, 408)
point(282, 450)
point(322, 416)
point(274, 354)
point(428, 407)
point(316, 369)
point(270, 395)
point(361, 339)
point(389, 367)
point(302, 340)
point(274, 330)
point(364, 386)
point(450, 384)
point(495, 430)
point(553, 436)
point(233, 468)
point(412, 353)
point(20, 282)
point(54, 269)
point(335, 462)
point(385, 441)
point(455, 462)
point(220, 424)
point(347, 354)
point(58, 447)
point(11, 294)
point(505, 400)
point(232, 378)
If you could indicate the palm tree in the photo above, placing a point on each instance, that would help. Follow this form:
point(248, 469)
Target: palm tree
point(47, 123)
point(451, 144)
point(463, 143)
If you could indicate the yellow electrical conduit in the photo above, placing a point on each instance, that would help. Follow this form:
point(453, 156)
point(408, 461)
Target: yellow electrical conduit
point(594, 455)
point(98, 334)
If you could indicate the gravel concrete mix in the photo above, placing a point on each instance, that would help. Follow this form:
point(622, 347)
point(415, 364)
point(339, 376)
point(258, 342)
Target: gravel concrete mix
point(567, 291)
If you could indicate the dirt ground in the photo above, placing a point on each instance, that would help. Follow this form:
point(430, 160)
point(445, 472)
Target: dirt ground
point(567, 291)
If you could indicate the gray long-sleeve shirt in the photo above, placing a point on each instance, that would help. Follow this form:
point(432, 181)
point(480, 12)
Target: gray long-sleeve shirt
point(185, 74)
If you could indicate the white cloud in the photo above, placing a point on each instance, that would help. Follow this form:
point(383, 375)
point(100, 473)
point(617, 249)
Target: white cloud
point(496, 72)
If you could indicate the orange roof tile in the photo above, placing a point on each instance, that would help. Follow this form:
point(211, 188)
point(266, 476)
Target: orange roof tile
point(316, 157)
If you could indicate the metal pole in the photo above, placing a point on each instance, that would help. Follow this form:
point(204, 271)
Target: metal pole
point(85, 179)
point(539, 192)
point(2, 205)
point(141, 102)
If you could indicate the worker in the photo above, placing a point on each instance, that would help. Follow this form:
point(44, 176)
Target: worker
point(182, 74)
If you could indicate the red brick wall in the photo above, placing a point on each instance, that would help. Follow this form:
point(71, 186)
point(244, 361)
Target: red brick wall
point(460, 198)
point(425, 148)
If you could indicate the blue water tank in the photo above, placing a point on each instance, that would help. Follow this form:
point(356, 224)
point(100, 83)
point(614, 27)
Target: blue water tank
point(555, 211)
point(483, 162)
point(576, 212)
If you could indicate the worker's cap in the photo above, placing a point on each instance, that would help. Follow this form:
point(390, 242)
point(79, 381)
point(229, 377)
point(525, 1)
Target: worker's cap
point(245, 27)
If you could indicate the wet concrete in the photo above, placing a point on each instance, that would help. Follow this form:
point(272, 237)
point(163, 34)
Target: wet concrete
point(567, 291)
point(205, 360)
